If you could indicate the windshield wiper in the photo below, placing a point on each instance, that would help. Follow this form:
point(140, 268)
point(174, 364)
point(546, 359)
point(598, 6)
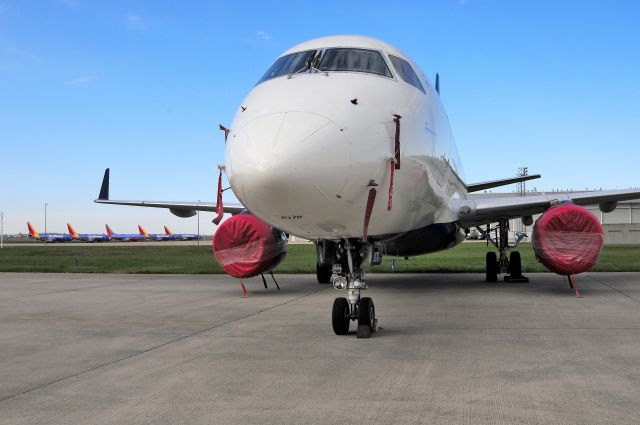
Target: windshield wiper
point(305, 68)
point(308, 66)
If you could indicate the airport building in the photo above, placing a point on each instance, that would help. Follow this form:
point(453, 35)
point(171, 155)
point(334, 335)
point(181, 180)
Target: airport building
point(621, 226)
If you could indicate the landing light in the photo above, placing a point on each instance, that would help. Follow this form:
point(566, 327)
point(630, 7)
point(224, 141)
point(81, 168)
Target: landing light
point(340, 282)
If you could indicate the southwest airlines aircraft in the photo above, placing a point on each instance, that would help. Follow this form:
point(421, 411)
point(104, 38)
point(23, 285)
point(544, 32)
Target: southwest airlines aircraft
point(47, 237)
point(87, 237)
point(124, 237)
point(344, 141)
point(180, 236)
point(155, 236)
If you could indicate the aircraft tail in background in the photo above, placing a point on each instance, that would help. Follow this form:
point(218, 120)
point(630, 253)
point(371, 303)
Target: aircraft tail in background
point(109, 231)
point(168, 231)
point(32, 231)
point(72, 231)
point(142, 231)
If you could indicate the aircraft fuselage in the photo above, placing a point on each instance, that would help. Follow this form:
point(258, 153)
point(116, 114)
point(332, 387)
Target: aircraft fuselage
point(305, 149)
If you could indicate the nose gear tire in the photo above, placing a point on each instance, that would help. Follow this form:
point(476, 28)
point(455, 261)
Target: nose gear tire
point(340, 316)
point(366, 318)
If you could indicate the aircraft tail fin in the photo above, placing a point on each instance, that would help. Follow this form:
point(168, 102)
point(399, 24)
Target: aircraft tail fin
point(109, 231)
point(32, 231)
point(72, 231)
point(142, 231)
point(104, 189)
point(167, 231)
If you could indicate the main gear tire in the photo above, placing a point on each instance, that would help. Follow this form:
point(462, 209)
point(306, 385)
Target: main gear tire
point(491, 267)
point(323, 273)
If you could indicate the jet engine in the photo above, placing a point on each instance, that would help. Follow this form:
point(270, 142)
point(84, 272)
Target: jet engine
point(567, 239)
point(245, 246)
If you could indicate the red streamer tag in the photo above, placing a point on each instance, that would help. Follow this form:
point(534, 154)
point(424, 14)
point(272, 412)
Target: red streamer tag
point(219, 206)
point(393, 171)
point(367, 214)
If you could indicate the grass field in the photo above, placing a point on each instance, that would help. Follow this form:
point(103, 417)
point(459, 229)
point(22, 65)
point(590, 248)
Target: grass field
point(466, 257)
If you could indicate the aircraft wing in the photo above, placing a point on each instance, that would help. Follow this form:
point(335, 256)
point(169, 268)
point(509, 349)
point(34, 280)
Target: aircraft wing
point(474, 187)
point(181, 209)
point(473, 212)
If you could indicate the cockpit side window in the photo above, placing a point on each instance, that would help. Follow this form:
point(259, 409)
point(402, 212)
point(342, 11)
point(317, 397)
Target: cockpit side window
point(289, 64)
point(354, 60)
point(404, 70)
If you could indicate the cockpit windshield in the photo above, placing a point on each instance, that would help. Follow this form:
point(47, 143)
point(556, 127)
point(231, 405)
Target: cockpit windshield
point(290, 64)
point(336, 59)
point(354, 60)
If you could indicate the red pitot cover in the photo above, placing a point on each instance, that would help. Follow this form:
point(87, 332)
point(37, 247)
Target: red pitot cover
point(568, 239)
point(245, 246)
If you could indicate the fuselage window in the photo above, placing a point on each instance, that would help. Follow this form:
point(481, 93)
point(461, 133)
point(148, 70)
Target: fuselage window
point(406, 72)
point(290, 64)
point(354, 60)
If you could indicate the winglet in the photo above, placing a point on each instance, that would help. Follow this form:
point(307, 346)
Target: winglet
point(109, 232)
point(104, 189)
point(167, 231)
point(72, 231)
point(32, 232)
point(142, 231)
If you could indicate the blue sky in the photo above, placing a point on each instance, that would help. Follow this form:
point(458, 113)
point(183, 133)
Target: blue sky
point(141, 87)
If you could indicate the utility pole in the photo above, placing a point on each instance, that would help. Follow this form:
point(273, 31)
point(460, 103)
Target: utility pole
point(522, 190)
point(522, 186)
point(45, 224)
point(1, 230)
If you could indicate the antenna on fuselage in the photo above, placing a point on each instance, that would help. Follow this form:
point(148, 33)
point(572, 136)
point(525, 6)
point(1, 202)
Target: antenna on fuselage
point(438, 83)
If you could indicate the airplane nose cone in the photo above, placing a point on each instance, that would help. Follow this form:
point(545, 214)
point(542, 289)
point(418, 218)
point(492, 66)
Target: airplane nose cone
point(288, 164)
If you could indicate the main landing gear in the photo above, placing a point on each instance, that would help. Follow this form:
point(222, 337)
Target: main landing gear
point(346, 258)
point(495, 265)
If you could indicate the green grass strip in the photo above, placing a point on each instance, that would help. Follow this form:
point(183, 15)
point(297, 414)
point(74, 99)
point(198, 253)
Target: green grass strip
point(466, 257)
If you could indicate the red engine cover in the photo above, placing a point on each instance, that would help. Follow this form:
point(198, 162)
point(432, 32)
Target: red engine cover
point(245, 246)
point(567, 239)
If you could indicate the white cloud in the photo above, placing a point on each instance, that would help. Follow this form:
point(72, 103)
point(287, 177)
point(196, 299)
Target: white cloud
point(135, 22)
point(264, 35)
point(83, 81)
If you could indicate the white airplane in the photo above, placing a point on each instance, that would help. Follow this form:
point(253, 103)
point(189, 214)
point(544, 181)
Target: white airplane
point(344, 141)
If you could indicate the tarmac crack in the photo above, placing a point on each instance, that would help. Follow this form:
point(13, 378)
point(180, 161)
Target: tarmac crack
point(615, 289)
point(164, 344)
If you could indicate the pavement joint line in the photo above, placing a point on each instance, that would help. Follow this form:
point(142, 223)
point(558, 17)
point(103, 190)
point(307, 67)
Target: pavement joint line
point(164, 344)
point(615, 289)
point(115, 322)
point(61, 290)
point(213, 325)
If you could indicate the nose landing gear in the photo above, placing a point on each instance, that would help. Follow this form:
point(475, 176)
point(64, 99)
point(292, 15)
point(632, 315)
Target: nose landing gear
point(351, 279)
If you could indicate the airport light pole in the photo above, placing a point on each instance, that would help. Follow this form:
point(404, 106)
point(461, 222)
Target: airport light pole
point(1, 230)
point(45, 224)
point(198, 212)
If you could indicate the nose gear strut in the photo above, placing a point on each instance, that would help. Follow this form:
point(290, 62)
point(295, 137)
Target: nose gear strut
point(348, 275)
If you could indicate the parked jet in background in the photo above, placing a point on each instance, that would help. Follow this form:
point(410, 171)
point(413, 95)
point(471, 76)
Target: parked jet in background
point(87, 237)
point(154, 236)
point(124, 237)
point(181, 236)
point(47, 237)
